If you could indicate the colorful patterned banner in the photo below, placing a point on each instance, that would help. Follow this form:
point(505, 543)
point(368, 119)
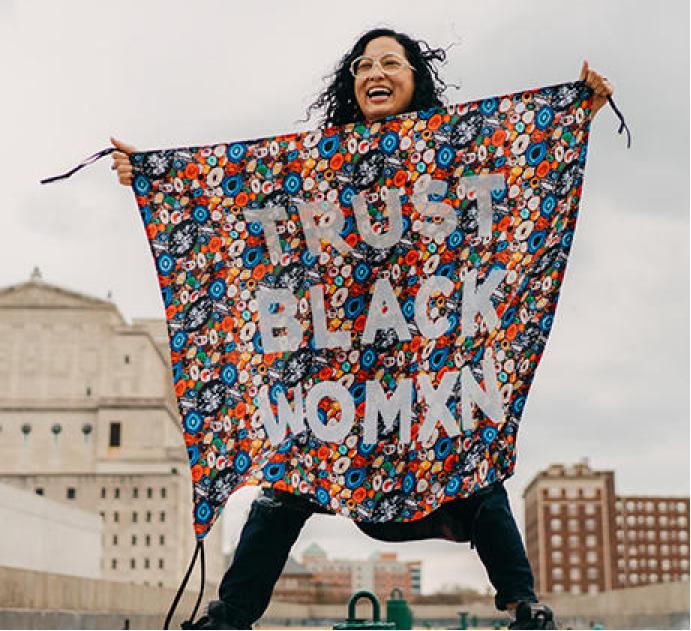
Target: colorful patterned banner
point(356, 313)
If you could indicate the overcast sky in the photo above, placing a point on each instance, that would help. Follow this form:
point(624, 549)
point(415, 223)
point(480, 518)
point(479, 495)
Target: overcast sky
point(613, 385)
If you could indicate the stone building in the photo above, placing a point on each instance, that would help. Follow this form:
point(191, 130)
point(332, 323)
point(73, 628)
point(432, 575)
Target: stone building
point(581, 537)
point(88, 417)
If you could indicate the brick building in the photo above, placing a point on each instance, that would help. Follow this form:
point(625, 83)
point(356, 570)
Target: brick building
point(296, 584)
point(652, 536)
point(337, 579)
point(581, 537)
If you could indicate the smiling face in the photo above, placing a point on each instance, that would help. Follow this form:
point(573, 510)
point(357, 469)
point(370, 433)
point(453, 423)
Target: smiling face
point(380, 95)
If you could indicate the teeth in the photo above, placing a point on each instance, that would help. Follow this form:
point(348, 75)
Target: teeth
point(378, 92)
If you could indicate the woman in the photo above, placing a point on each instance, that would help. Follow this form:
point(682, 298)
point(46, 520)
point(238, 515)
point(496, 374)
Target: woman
point(386, 73)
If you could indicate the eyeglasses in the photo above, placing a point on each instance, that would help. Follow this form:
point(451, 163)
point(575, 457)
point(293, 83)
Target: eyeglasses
point(389, 63)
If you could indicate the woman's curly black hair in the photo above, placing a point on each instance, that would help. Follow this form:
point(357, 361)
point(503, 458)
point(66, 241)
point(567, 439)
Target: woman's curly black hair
point(338, 100)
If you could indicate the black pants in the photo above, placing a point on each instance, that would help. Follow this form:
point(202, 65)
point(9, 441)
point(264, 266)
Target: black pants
point(275, 521)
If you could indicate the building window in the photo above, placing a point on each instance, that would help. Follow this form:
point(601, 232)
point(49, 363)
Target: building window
point(133, 563)
point(592, 572)
point(162, 540)
point(681, 507)
point(116, 492)
point(71, 493)
point(113, 564)
point(115, 434)
point(135, 492)
point(163, 493)
point(574, 558)
point(590, 541)
point(575, 589)
point(146, 564)
point(134, 540)
point(633, 564)
point(572, 509)
point(160, 564)
point(147, 540)
point(593, 588)
point(590, 524)
point(575, 574)
point(557, 588)
point(557, 573)
point(127, 359)
point(555, 524)
point(556, 556)
point(662, 506)
point(38, 490)
point(556, 541)
point(554, 492)
point(103, 492)
point(115, 540)
point(573, 524)
point(591, 509)
point(591, 556)
point(134, 517)
point(116, 517)
point(573, 541)
point(163, 516)
point(148, 515)
point(555, 509)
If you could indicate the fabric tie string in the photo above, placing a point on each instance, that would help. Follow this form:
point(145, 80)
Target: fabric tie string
point(86, 162)
point(622, 123)
point(198, 552)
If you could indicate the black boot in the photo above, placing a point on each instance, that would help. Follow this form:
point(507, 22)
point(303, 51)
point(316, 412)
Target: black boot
point(217, 617)
point(533, 616)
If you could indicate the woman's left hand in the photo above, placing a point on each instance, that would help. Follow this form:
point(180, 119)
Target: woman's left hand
point(600, 86)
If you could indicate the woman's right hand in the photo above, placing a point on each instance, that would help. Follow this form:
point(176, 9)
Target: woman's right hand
point(121, 161)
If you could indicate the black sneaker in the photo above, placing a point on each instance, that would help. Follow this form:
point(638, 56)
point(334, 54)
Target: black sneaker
point(217, 617)
point(533, 616)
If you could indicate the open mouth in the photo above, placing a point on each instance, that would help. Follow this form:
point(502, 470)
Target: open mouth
point(378, 94)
